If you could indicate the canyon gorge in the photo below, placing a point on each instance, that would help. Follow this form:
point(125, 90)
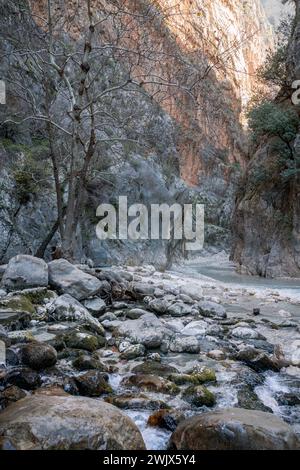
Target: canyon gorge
point(123, 344)
point(192, 137)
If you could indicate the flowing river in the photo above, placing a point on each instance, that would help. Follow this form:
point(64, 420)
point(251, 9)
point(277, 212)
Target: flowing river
point(279, 301)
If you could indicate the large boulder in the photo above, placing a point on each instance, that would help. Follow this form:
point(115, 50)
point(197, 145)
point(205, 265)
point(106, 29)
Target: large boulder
point(23, 377)
point(147, 330)
point(199, 396)
point(171, 307)
point(234, 429)
point(25, 271)
point(44, 422)
point(95, 306)
point(180, 309)
point(38, 356)
point(151, 383)
point(84, 340)
point(184, 344)
point(195, 328)
point(66, 308)
point(68, 279)
point(14, 320)
point(93, 383)
point(193, 291)
point(246, 333)
point(155, 368)
point(211, 309)
point(257, 360)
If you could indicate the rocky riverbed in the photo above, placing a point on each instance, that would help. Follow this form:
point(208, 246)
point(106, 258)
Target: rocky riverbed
point(128, 358)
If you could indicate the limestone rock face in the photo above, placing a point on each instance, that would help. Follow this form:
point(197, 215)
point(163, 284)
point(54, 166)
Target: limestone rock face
point(234, 429)
point(67, 423)
point(266, 220)
point(198, 141)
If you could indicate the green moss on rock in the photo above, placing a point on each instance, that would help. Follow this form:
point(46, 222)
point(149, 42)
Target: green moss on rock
point(19, 303)
point(199, 396)
point(196, 378)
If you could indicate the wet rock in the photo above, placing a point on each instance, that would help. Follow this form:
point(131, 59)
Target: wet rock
point(154, 357)
point(23, 378)
point(248, 377)
point(216, 354)
point(261, 344)
point(196, 378)
point(25, 271)
point(155, 368)
point(166, 419)
point(246, 333)
point(179, 309)
point(66, 308)
point(21, 336)
point(133, 351)
point(211, 309)
point(135, 313)
point(38, 356)
point(288, 398)
point(85, 341)
point(257, 360)
point(131, 401)
point(234, 429)
point(12, 357)
point(199, 396)
point(95, 306)
point(147, 330)
point(187, 344)
point(10, 395)
point(68, 279)
point(151, 383)
point(17, 303)
point(248, 399)
point(68, 423)
point(51, 391)
point(14, 320)
point(85, 362)
point(93, 383)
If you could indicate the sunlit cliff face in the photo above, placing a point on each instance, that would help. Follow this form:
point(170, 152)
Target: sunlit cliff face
point(226, 40)
point(235, 31)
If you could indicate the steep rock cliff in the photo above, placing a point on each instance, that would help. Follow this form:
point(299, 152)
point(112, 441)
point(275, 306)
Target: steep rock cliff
point(214, 48)
point(220, 43)
point(266, 222)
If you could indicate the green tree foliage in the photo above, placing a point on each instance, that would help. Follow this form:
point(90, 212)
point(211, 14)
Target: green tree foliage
point(271, 119)
point(274, 71)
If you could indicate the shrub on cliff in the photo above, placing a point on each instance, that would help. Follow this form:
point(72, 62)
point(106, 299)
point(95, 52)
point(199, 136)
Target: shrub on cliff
point(274, 69)
point(270, 119)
